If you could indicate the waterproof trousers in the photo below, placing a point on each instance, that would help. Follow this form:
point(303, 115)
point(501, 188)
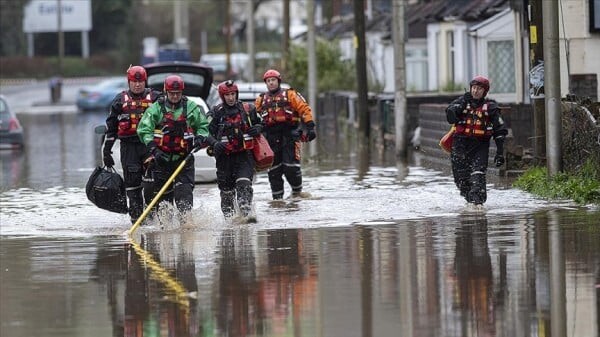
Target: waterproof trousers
point(235, 172)
point(133, 153)
point(469, 165)
point(286, 163)
point(181, 189)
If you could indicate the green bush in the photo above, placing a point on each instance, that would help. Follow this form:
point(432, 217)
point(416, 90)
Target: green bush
point(583, 186)
point(332, 74)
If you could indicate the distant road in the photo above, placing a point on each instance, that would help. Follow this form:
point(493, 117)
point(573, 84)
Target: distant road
point(32, 95)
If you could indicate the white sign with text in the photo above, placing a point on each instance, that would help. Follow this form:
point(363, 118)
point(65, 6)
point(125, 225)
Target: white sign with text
point(41, 16)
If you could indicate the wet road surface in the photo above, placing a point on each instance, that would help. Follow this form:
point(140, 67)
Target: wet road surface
point(378, 250)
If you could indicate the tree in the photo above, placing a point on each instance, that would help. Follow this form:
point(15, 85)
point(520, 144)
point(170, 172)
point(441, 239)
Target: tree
point(333, 73)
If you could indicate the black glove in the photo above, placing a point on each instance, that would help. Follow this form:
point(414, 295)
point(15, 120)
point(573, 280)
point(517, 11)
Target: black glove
point(108, 159)
point(219, 148)
point(499, 160)
point(296, 134)
point(254, 130)
point(200, 142)
point(310, 131)
point(159, 156)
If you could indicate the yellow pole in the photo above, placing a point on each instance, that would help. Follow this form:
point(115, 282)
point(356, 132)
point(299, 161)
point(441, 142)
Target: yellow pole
point(160, 193)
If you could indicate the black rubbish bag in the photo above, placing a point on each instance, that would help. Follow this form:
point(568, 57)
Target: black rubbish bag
point(105, 188)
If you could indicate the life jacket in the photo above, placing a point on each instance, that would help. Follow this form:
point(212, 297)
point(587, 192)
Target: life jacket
point(131, 113)
point(477, 122)
point(232, 129)
point(276, 109)
point(174, 136)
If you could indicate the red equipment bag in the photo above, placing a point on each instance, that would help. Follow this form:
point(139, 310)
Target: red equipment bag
point(263, 154)
point(446, 141)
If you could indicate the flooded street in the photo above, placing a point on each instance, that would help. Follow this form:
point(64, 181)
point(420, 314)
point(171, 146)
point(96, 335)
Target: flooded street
point(380, 249)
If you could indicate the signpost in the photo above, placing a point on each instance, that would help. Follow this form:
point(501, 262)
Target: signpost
point(43, 16)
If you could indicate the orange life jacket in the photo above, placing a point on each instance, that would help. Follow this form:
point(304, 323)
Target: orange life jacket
point(132, 110)
point(232, 130)
point(174, 136)
point(477, 122)
point(276, 109)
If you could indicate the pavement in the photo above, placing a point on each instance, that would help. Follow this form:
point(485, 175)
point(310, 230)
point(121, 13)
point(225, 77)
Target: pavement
point(32, 96)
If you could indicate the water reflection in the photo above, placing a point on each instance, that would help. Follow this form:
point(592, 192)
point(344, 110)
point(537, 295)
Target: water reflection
point(61, 150)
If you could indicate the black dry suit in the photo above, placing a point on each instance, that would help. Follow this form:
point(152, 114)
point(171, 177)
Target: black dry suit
point(235, 165)
point(125, 113)
point(476, 122)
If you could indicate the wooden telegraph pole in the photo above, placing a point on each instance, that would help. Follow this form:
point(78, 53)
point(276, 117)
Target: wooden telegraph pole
point(536, 79)
point(361, 73)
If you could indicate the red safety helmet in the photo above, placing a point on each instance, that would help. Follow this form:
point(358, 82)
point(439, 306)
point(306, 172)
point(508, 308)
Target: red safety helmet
point(272, 73)
point(136, 73)
point(482, 82)
point(173, 83)
point(228, 87)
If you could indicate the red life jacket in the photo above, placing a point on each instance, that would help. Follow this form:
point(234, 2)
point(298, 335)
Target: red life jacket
point(232, 130)
point(132, 110)
point(276, 109)
point(477, 123)
point(174, 136)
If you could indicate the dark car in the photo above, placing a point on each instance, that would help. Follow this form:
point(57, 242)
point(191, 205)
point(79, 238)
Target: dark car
point(197, 79)
point(101, 95)
point(11, 132)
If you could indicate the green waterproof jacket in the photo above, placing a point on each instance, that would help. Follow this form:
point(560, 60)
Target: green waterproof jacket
point(152, 119)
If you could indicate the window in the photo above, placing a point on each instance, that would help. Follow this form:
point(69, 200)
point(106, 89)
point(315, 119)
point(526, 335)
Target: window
point(501, 66)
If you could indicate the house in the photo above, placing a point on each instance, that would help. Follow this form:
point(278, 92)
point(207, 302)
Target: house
point(450, 41)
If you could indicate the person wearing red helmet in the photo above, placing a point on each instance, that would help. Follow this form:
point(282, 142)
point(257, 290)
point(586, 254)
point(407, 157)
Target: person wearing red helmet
point(126, 110)
point(477, 119)
point(233, 126)
point(285, 114)
point(170, 129)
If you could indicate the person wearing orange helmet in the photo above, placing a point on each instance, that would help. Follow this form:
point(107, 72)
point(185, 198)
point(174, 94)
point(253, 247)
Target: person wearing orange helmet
point(477, 119)
point(170, 129)
point(288, 121)
point(232, 130)
point(126, 110)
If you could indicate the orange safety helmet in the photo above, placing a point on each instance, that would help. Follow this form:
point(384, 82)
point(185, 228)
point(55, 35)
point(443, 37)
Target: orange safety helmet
point(136, 73)
point(481, 81)
point(173, 83)
point(228, 87)
point(272, 73)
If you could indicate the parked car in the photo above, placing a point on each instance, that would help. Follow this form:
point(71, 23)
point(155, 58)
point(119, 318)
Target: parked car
point(250, 90)
point(198, 85)
point(99, 96)
point(11, 131)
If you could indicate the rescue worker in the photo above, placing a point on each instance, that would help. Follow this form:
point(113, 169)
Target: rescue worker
point(285, 113)
point(477, 120)
point(126, 110)
point(170, 129)
point(232, 130)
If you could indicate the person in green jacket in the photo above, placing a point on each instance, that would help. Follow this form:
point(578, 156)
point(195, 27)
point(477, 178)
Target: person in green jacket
point(170, 128)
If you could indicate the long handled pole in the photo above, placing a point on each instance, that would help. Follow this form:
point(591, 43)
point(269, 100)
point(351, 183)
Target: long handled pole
point(161, 192)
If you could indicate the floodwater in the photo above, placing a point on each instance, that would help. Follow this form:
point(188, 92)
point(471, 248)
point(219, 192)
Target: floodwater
point(378, 250)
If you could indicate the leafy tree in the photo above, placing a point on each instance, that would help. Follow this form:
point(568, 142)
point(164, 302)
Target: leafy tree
point(332, 73)
point(12, 39)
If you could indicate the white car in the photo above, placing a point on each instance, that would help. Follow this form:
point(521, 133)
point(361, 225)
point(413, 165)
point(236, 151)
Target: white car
point(197, 80)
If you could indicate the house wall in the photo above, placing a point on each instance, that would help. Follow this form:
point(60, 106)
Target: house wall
point(584, 47)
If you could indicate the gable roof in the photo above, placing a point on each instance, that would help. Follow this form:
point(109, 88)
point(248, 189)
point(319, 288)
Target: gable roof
point(418, 15)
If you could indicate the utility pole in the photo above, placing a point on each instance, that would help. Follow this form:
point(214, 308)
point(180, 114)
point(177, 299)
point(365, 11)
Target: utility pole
point(227, 39)
point(61, 38)
point(285, 43)
point(400, 113)
point(250, 41)
point(312, 63)
point(552, 76)
point(536, 79)
point(361, 73)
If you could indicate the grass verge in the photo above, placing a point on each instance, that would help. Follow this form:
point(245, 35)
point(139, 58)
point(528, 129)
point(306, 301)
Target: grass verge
point(582, 186)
